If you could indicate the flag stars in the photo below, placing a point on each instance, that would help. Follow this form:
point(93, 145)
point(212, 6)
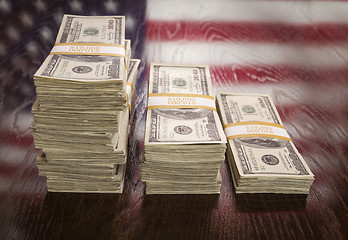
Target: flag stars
point(26, 19)
point(130, 23)
point(76, 6)
point(94, 13)
point(12, 33)
point(40, 5)
point(46, 33)
point(57, 17)
point(5, 6)
point(32, 48)
point(110, 6)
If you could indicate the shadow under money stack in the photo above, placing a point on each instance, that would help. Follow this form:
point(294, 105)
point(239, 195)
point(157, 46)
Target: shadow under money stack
point(184, 140)
point(260, 153)
point(81, 114)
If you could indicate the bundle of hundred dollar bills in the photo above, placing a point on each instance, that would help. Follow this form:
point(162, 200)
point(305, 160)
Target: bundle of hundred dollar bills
point(184, 139)
point(260, 153)
point(84, 101)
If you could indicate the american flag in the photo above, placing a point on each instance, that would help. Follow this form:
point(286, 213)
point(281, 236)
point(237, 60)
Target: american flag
point(297, 52)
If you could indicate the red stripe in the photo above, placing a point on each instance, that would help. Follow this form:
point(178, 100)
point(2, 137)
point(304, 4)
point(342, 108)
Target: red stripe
point(33, 188)
point(299, 115)
point(14, 138)
point(9, 170)
point(319, 33)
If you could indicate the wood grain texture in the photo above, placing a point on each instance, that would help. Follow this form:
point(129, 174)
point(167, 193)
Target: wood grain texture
point(299, 58)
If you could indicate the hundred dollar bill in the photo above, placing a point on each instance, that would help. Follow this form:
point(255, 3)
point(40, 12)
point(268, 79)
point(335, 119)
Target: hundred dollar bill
point(92, 29)
point(259, 146)
point(173, 117)
point(88, 48)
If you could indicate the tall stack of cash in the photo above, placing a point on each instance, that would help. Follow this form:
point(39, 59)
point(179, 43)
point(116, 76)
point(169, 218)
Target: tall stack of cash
point(83, 107)
point(261, 155)
point(184, 139)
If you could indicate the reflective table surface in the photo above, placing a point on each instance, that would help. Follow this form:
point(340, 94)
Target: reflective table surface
point(297, 52)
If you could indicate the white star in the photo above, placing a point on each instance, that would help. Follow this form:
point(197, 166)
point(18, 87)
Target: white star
point(12, 33)
point(5, 6)
point(58, 17)
point(46, 33)
point(76, 6)
point(26, 19)
point(130, 22)
point(94, 13)
point(110, 6)
point(31, 47)
point(40, 5)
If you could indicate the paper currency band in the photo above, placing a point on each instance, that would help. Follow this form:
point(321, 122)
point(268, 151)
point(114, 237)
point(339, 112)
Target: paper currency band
point(129, 89)
point(255, 129)
point(100, 49)
point(180, 100)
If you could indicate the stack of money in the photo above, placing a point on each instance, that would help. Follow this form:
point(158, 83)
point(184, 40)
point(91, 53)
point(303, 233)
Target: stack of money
point(184, 140)
point(261, 155)
point(83, 106)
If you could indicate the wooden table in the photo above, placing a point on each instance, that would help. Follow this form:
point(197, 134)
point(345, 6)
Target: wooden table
point(295, 51)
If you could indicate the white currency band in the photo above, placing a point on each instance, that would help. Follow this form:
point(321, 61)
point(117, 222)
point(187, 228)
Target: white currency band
point(180, 102)
point(89, 49)
point(256, 130)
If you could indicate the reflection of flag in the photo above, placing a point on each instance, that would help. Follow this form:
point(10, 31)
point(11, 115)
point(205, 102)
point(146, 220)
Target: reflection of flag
point(295, 51)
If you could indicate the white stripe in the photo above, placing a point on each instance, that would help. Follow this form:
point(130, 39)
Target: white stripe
point(175, 101)
point(12, 154)
point(295, 12)
point(220, 53)
point(255, 129)
point(21, 186)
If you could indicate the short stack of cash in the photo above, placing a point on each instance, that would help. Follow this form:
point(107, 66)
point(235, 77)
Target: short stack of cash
point(83, 105)
point(184, 139)
point(261, 155)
